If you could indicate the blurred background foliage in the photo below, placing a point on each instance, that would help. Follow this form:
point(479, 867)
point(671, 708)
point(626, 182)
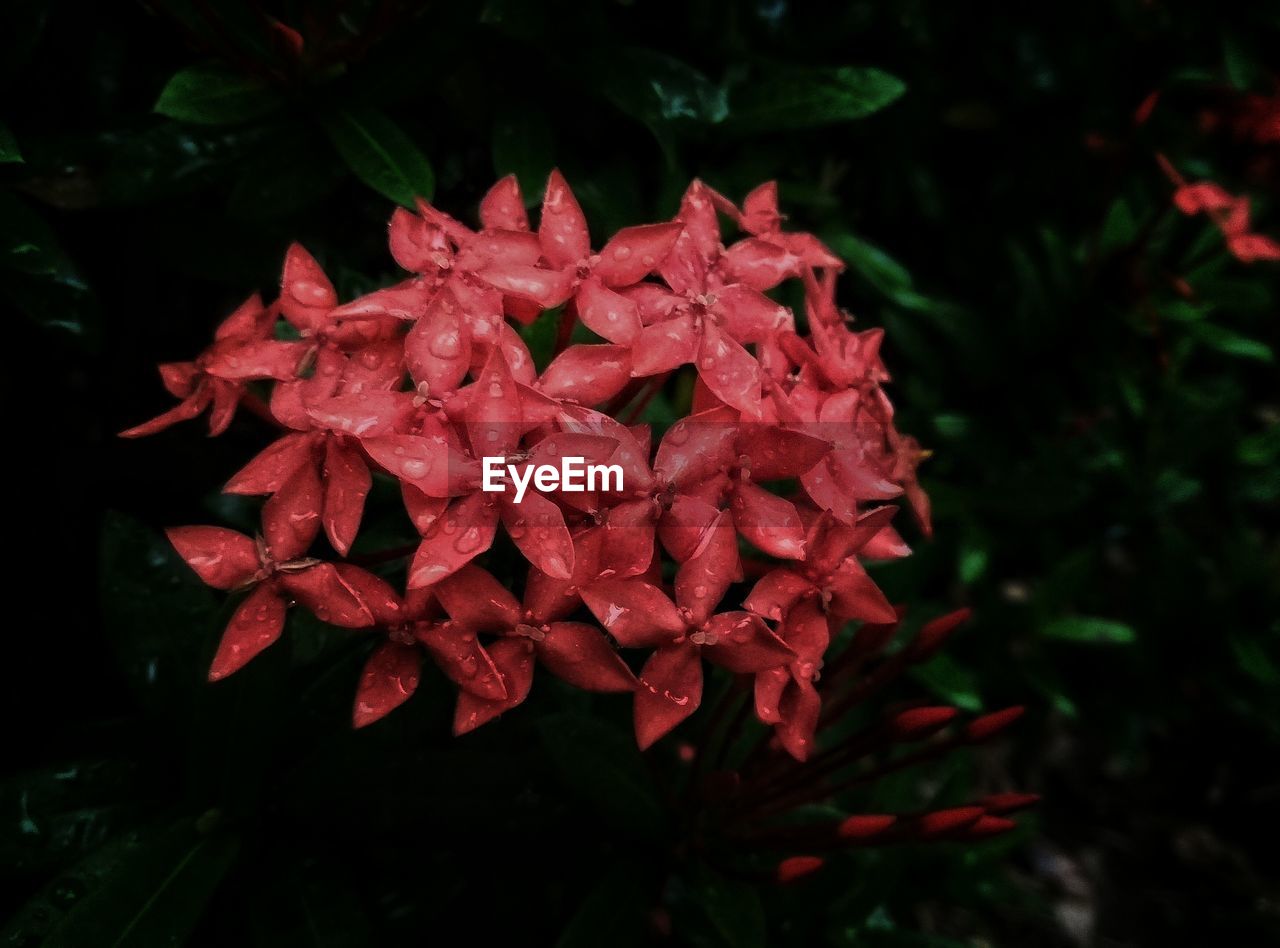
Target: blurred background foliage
point(1095, 374)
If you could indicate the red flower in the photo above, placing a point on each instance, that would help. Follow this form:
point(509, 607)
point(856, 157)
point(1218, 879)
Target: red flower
point(274, 571)
point(573, 651)
point(243, 350)
point(640, 615)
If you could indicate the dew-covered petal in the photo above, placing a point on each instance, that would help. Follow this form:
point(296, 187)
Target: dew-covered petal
point(390, 677)
point(562, 230)
point(222, 558)
point(703, 579)
point(493, 414)
point(437, 349)
point(776, 592)
point(759, 264)
point(457, 537)
point(664, 346)
point(330, 598)
point(536, 526)
point(430, 464)
point(473, 597)
point(587, 374)
point(291, 516)
point(854, 595)
point(731, 372)
point(502, 207)
point(256, 624)
point(742, 643)
point(768, 522)
point(458, 653)
point(776, 452)
point(367, 414)
point(636, 613)
point(306, 295)
point(606, 313)
point(183, 411)
point(697, 448)
point(272, 466)
point(635, 252)
point(670, 690)
point(346, 485)
point(579, 654)
point(514, 660)
point(378, 595)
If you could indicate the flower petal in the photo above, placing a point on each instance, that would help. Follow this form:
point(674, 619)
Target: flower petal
point(664, 346)
point(329, 597)
point(606, 313)
point(776, 592)
point(587, 374)
point(306, 295)
point(670, 690)
point(459, 654)
point(437, 349)
point(346, 485)
point(390, 677)
point(635, 252)
point(562, 230)
point(513, 659)
point(256, 624)
point(744, 644)
point(768, 522)
point(461, 534)
point(222, 558)
point(502, 208)
point(536, 526)
point(703, 579)
point(473, 597)
point(579, 654)
point(291, 516)
point(634, 612)
point(731, 372)
point(854, 595)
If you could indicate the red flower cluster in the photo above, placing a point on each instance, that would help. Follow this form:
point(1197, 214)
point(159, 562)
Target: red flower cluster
point(779, 475)
point(1228, 212)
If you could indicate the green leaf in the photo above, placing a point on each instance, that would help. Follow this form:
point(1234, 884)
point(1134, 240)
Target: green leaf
point(1253, 659)
point(658, 89)
point(615, 913)
point(141, 891)
point(1089, 629)
point(54, 816)
point(290, 173)
point(298, 906)
point(381, 154)
point(794, 97)
point(949, 680)
point(523, 146)
point(1232, 342)
point(1119, 229)
point(9, 153)
point(157, 614)
point(733, 910)
point(600, 764)
point(886, 275)
point(39, 277)
point(210, 94)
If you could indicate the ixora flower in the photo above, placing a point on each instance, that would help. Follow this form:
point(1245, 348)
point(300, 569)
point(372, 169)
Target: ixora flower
point(738, 537)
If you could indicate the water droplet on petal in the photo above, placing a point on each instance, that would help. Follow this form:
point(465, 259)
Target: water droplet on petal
point(446, 345)
point(414, 469)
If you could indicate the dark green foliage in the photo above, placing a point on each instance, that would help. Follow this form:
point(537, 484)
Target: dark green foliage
point(1106, 469)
